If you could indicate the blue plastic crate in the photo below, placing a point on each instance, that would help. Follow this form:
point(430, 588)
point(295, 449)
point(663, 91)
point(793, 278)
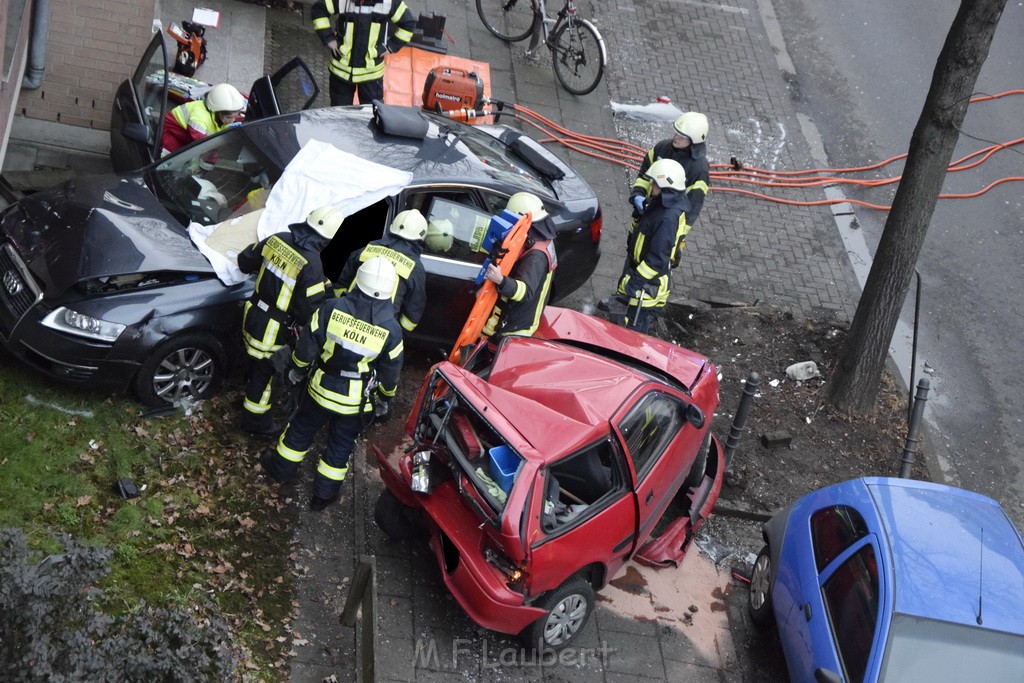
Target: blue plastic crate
point(504, 465)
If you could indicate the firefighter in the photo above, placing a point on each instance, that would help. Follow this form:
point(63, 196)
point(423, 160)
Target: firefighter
point(403, 246)
point(365, 31)
point(195, 120)
point(650, 248)
point(689, 147)
point(289, 287)
point(347, 339)
point(523, 294)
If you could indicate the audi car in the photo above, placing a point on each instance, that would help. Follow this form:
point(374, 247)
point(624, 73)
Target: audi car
point(102, 285)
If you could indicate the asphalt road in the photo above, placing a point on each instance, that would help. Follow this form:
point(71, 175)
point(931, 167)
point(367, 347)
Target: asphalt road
point(863, 71)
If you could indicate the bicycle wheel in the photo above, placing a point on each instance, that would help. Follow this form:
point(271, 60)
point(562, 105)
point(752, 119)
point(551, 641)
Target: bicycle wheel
point(577, 54)
point(510, 20)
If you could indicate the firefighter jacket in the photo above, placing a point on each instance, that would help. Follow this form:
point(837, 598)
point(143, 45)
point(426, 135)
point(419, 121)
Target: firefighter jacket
point(289, 286)
point(187, 123)
point(694, 161)
point(362, 34)
point(347, 338)
point(523, 294)
point(410, 297)
point(650, 249)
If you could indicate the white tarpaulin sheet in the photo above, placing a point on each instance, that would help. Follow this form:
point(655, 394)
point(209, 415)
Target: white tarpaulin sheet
point(319, 175)
point(323, 175)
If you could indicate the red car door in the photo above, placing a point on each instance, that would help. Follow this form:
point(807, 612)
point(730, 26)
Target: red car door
point(581, 514)
point(661, 446)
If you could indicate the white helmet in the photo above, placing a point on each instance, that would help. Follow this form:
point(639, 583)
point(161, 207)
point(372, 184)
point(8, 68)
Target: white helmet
point(377, 278)
point(224, 97)
point(409, 225)
point(440, 235)
point(526, 202)
point(667, 173)
point(693, 125)
point(326, 220)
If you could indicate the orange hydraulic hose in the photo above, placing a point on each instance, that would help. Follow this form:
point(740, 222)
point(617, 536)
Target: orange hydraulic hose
point(629, 156)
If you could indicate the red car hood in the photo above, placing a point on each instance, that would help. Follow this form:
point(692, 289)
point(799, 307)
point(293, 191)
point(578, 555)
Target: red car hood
point(578, 328)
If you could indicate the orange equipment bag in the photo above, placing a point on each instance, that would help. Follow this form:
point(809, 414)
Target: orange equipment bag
point(447, 88)
point(487, 295)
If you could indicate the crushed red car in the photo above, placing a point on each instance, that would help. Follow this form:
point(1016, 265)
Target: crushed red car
point(539, 468)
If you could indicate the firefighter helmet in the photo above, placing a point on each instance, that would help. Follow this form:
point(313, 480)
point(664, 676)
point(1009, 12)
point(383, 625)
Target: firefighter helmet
point(326, 220)
point(667, 174)
point(409, 225)
point(693, 125)
point(527, 202)
point(377, 278)
point(224, 97)
point(440, 236)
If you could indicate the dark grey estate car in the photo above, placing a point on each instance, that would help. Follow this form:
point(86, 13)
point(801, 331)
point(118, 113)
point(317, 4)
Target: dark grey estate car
point(102, 286)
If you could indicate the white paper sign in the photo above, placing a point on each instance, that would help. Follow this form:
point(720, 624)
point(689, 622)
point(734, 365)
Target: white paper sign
point(206, 17)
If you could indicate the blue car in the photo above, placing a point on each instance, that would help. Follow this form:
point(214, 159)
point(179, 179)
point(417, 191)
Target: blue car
point(880, 579)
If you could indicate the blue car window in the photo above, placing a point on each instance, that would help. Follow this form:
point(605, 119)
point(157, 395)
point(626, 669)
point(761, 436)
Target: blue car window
point(851, 600)
point(833, 530)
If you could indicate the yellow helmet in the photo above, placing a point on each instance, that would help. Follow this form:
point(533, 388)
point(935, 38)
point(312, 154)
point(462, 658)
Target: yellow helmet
point(667, 174)
point(225, 97)
point(440, 235)
point(527, 202)
point(693, 125)
point(326, 220)
point(377, 278)
point(409, 225)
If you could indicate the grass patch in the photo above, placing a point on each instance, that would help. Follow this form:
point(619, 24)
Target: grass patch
point(205, 524)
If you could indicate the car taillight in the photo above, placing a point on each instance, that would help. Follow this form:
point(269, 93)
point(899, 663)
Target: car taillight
point(515, 576)
point(595, 227)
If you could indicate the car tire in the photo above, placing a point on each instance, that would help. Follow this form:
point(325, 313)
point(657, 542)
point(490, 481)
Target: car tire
point(759, 602)
point(396, 519)
point(189, 365)
point(568, 608)
point(700, 463)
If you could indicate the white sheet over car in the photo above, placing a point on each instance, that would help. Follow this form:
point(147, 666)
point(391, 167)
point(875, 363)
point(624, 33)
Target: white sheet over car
point(319, 175)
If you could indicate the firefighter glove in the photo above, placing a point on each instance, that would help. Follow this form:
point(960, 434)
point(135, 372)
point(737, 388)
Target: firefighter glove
point(638, 203)
point(281, 360)
point(295, 376)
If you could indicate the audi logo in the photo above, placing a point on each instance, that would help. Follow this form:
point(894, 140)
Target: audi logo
point(12, 283)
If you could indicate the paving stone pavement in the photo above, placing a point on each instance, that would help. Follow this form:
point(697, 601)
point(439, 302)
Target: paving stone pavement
point(707, 56)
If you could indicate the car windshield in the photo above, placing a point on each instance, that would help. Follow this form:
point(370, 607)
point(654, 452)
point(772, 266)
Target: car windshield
point(215, 179)
point(504, 165)
point(927, 650)
point(482, 464)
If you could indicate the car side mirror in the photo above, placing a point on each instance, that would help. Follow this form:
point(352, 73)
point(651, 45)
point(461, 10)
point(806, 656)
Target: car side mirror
point(695, 416)
point(827, 676)
point(136, 132)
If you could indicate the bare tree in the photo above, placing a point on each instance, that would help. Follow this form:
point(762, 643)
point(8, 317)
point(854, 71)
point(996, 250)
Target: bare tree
point(854, 385)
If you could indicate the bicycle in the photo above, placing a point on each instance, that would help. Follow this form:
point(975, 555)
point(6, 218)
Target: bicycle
point(578, 53)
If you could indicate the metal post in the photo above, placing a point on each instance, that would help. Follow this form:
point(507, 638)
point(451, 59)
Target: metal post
point(910, 450)
point(363, 596)
point(913, 347)
point(740, 420)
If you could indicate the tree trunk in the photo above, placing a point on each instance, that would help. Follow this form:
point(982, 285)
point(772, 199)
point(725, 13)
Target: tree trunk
point(854, 384)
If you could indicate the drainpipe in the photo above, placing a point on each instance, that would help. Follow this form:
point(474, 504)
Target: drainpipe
point(37, 45)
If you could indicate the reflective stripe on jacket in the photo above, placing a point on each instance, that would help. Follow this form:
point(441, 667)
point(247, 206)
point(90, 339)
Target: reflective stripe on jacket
point(524, 293)
point(289, 286)
point(362, 34)
point(187, 123)
point(347, 338)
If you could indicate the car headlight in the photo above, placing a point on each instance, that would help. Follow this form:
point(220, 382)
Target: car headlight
point(72, 322)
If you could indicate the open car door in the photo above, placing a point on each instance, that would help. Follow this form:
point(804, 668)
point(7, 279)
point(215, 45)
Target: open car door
point(136, 122)
point(290, 88)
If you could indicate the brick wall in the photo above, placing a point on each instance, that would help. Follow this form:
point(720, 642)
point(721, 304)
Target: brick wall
point(91, 46)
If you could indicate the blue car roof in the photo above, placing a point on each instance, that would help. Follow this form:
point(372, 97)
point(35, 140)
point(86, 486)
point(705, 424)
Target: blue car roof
point(950, 549)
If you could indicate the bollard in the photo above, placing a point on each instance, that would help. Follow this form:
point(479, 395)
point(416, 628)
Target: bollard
point(910, 450)
point(740, 420)
point(362, 597)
